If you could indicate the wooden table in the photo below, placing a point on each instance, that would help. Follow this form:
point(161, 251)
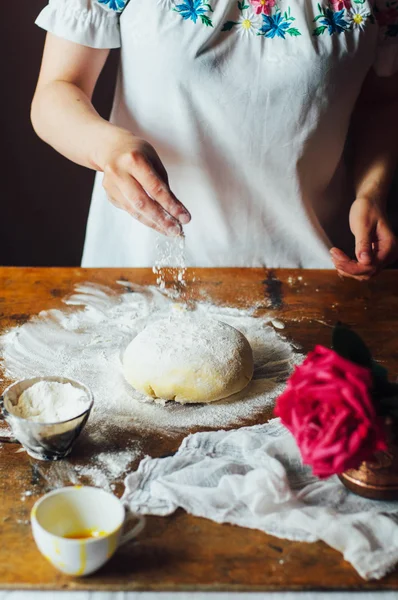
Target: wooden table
point(183, 552)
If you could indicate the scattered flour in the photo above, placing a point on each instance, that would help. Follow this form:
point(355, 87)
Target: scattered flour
point(86, 341)
point(50, 402)
point(103, 470)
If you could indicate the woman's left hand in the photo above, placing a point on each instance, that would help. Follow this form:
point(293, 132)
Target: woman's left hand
point(375, 242)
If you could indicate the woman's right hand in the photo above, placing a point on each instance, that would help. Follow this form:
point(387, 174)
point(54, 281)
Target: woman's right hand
point(136, 181)
point(63, 115)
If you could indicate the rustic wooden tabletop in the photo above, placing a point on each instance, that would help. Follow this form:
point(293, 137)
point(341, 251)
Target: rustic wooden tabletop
point(184, 552)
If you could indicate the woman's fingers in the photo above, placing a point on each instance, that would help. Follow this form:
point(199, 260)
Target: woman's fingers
point(363, 248)
point(351, 268)
point(135, 180)
point(145, 174)
point(385, 245)
point(375, 242)
point(139, 203)
point(127, 194)
point(114, 196)
point(363, 229)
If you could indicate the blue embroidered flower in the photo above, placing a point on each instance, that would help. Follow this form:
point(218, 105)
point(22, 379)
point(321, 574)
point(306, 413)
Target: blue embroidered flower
point(277, 25)
point(331, 21)
point(194, 10)
point(117, 5)
point(273, 25)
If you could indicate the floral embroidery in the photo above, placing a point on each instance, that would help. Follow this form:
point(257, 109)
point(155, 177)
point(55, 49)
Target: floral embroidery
point(273, 23)
point(263, 6)
point(116, 5)
point(387, 18)
point(340, 4)
point(358, 16)
point(248, 23)
point(195, 9)
point(335, 18)
point(342, 15)
point(330, 21)
point(278, 25)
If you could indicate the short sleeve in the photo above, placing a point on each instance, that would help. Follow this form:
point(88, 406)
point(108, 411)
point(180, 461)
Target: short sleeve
point(386, 14)
point(93, 23)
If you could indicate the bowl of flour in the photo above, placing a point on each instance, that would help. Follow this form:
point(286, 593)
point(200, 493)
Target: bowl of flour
point(47, 414)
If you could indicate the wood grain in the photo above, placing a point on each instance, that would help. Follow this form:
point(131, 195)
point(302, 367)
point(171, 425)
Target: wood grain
point(182, 552)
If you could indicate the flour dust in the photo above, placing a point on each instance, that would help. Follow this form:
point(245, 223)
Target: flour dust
point(86, 341)
point(170, 267)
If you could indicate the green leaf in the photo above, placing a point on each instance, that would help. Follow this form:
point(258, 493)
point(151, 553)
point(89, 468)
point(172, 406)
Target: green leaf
point(208, 6)
point(348, 344)
point(240, 5)
point(206, 21)
point(320, 30)
point(293, 31)
point(228, 25)
point(388, 406)
point(379, 372)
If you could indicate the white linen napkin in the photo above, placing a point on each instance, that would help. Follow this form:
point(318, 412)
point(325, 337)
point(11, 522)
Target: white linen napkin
point(254, 477)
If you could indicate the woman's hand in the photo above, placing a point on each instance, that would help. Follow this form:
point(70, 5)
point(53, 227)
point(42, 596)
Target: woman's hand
point(375, 242)
point(63, 115)
point(136, 181)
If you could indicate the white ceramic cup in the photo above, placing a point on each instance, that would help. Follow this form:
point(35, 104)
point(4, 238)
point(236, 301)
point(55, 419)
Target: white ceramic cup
point(72, 510)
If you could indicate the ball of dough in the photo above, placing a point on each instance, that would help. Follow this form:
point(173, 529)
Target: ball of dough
point(188, 360)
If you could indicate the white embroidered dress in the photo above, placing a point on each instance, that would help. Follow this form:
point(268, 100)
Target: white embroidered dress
point(248, 104)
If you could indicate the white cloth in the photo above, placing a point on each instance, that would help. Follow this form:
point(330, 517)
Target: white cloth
point(254, 477)
point(248, 112)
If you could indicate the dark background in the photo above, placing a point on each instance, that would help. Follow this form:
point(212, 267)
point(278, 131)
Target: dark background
point(45, 198)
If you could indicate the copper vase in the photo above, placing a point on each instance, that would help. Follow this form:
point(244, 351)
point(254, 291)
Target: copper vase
point(377, 479)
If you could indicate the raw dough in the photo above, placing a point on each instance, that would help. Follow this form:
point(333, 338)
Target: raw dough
point(188, 359)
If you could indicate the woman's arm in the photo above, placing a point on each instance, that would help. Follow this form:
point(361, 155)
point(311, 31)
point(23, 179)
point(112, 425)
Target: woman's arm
point(375, 140)
point(63, 116)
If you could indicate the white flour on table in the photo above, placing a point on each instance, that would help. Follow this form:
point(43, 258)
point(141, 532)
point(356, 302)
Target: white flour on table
point(102, 470)
point(86, 341)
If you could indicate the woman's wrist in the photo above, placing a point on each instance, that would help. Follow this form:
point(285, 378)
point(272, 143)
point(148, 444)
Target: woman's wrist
point(107, 138)
point(376, 201)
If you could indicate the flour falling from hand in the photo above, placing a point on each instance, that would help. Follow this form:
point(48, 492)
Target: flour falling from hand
point(170, 265)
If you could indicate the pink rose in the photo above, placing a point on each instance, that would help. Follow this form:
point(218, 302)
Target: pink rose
point(327, 406)
point(263, 6)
